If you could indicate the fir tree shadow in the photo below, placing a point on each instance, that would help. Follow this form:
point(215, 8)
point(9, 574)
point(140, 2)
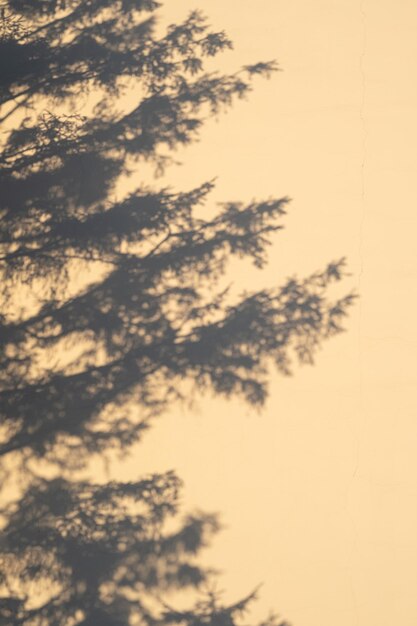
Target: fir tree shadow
point(153, 319)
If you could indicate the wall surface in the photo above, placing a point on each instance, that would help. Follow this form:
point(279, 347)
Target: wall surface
point(318, 492)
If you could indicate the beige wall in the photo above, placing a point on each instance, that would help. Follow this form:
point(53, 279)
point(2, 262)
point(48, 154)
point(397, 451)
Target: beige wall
point(318, 493)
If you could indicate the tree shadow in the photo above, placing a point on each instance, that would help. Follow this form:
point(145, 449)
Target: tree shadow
point(154, 314)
